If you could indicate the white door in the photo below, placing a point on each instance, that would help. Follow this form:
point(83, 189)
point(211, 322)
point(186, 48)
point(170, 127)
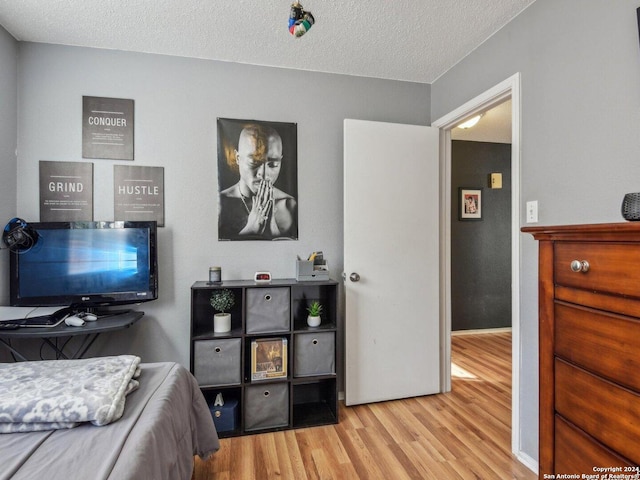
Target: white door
point(391, 261)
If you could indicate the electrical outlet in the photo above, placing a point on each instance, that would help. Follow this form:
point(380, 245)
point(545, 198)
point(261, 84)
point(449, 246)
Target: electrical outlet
point(532, 211)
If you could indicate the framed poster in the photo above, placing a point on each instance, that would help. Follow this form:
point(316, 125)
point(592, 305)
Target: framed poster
point(107, 128)
point(66, 191)
point(138, 193)
point(257, 180)
point(470, 203)
point(268, 358)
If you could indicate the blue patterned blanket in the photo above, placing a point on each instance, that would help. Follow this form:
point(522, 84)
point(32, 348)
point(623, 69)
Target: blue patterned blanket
point(54, 394)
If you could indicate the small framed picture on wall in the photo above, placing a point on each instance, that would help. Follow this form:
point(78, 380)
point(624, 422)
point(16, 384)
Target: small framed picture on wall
point(470, 203)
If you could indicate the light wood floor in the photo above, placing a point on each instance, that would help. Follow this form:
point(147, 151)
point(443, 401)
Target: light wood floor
point(463, 434)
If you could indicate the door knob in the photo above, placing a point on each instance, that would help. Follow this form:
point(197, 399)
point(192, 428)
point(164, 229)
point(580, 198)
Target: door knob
point(354, 277)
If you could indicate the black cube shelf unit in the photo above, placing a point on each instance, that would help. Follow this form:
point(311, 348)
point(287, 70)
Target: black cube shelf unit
point(221, 362)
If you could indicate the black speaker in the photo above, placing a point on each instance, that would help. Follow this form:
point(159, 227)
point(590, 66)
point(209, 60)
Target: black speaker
point(631, 207)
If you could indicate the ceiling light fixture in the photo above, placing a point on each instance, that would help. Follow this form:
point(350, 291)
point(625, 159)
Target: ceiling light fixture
point(299, 20)
point(471, 122)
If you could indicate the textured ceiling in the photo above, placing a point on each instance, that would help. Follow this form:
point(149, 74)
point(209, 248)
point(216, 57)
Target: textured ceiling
point(392, 39)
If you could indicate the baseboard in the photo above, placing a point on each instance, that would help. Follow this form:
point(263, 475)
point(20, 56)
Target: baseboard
point(527, 461)
point(480, 331)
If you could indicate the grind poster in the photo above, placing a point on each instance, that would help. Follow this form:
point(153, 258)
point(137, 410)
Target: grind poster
point(138, 193)
point(107, 128)
point(66, 191)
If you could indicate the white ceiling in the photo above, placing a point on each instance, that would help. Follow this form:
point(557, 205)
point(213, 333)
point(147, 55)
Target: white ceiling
point(392, 39)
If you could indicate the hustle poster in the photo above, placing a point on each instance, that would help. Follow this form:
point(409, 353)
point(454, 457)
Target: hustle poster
point(138, 193)
point(66, 191)
point(107, 128)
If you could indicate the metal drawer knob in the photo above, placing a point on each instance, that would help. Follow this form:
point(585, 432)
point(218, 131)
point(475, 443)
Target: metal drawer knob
point(580, 266)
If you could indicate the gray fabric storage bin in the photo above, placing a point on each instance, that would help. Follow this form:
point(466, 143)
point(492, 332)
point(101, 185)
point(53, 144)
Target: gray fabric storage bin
point(266, 406)
point(268, 310)
point(217, 362)
point(314, 354)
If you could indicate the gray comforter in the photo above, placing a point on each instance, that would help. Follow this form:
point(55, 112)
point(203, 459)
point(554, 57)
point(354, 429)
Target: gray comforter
point(165, 423)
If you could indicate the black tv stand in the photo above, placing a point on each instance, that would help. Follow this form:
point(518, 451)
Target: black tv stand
point(89, 333)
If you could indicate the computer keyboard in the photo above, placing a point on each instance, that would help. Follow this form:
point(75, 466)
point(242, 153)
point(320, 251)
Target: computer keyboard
point(50, 320)
point(43, 320)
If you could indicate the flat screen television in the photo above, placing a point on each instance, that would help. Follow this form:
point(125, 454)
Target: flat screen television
point(86, 265)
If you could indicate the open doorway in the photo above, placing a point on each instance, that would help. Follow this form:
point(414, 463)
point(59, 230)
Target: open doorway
point(480, 244)
point(508, 89)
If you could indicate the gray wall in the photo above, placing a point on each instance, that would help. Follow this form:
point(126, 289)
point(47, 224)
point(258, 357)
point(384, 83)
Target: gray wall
point(580, 148)
point(177, 101)
point(481, 249)
point(580, 66)
point(8, 138)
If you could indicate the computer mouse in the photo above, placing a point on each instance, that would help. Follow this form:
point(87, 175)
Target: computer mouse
point(74, 321)
point(87, 317)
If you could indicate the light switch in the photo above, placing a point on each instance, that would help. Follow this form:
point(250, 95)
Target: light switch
point(495, 180)
point(532, 211)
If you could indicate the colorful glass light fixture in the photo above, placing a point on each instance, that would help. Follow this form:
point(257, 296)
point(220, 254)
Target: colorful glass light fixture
point(300, 21)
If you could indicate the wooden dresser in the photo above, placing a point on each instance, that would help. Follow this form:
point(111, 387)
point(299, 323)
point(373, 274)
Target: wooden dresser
point(589, 300)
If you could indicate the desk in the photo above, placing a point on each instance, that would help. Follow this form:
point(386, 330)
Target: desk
point(90, 331)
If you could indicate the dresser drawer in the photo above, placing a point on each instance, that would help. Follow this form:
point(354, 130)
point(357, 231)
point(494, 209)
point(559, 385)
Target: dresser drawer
point(613, 267)
point(604, 343)
point(605, 411)
point(575, 451)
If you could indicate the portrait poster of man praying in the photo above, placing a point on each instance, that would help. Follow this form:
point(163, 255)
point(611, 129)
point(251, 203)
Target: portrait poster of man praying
point(257, 180)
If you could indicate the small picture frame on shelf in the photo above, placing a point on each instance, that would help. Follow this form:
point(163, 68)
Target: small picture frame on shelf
point(268, 358)
point(470, 203)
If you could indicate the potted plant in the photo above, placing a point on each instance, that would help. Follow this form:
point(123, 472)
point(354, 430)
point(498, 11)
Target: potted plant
point(222, 301)
point(314, 309)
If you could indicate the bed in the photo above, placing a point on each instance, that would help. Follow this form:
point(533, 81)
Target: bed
point(164, 423)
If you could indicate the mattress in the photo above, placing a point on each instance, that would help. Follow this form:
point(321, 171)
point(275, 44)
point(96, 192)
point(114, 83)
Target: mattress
point(166, 421)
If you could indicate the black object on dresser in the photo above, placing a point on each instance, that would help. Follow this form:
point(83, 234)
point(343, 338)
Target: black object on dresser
point(222, 362)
